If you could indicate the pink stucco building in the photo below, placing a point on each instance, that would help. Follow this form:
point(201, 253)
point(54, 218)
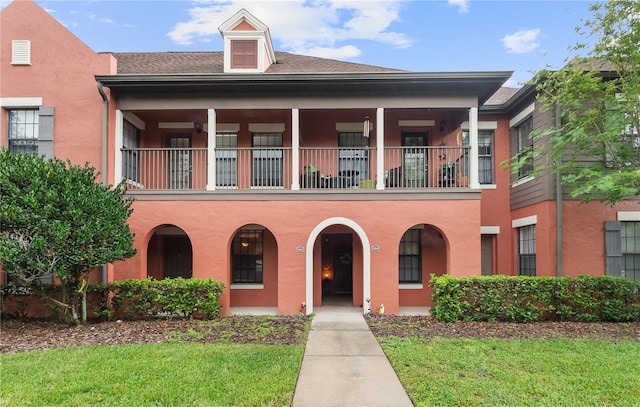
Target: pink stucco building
point(296, 180)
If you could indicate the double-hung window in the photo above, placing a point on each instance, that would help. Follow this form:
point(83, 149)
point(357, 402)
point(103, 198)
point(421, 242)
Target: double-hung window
point(410, 257)
point(630, 245)
point(525, 146)
point(268, 163)
point(23, 130)
point(527, 250)
point(246, 257)
point(227, 160)
point(485, 155)
point(130, 152)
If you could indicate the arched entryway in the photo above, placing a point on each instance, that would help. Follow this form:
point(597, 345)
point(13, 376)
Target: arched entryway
point(169, 253)
point(338, 264)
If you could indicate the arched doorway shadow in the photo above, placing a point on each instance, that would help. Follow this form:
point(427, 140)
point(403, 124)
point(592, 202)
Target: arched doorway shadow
point(169, 253)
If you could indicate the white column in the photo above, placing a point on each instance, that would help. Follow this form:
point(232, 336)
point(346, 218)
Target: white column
point(380, 148)
point(295, 149)
point(474, 182)
point(117, 169)
point(211, 149)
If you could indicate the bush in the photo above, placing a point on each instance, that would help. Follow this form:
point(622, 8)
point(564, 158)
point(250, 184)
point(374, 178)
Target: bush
point(530, 299)
point(168, 297)
point(134, 299)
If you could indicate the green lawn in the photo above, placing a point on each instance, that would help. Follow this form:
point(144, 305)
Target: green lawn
point(491, 372)
point(172, 374)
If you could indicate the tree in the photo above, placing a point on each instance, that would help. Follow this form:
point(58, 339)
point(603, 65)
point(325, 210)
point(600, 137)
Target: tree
point(594, 143)
point(56, 219)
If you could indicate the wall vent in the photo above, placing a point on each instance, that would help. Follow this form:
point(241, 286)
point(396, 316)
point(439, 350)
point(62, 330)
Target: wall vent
point(21, 52)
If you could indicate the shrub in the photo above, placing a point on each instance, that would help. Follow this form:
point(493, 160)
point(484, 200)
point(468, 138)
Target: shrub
point(530, 299)
point(168, 297)
point(134, 299)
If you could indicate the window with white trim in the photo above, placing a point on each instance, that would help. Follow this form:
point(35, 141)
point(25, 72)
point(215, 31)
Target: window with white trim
point(630, 245)
point(527, 250)
point(268, 163)
point(524, 146)
point(130, 152)
point(227, 160)
point(485, 154)
point(24, 125)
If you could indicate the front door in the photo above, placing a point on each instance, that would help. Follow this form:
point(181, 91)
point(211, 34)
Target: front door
point(414, 160)
point(179, 162)
point(343, 268)
point(178, 257)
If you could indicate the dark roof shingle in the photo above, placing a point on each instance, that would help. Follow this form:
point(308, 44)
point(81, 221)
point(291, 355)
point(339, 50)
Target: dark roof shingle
point(160, 63)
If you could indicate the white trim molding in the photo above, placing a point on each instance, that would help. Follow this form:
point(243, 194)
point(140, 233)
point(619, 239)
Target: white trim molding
point(522, 181)
point(246, 286)
point(482, 125)
point(21, 102)
point(524, 114)
point(133, 119)
point(629, 216)
point(410, 286)
point(489, 230)
point(527, 221)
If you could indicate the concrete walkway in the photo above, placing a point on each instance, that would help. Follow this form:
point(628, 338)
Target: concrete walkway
point(343, 364)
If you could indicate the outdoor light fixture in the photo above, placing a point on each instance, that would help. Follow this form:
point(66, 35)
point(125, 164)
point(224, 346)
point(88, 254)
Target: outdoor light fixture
point(198, 126)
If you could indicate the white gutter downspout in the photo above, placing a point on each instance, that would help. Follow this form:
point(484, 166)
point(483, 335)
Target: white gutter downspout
point(105, 157)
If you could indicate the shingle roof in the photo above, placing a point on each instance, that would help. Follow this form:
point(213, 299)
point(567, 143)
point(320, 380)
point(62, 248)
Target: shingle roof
point(501, 96)
point(157, 63)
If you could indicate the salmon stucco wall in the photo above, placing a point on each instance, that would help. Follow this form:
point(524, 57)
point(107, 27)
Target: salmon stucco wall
point(210, 225)
point(62, 73)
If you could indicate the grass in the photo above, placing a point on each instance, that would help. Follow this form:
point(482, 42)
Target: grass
point(173, 374)
point(491, 372)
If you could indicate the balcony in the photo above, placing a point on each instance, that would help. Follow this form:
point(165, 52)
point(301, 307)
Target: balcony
point(326, 169)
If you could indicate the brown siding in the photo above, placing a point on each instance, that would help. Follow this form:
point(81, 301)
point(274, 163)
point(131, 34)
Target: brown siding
point(541, 188)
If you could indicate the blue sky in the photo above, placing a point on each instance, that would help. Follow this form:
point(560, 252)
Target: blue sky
point(453, 35)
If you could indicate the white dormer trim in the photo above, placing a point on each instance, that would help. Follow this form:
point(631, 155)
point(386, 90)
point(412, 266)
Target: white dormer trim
point(265, 52)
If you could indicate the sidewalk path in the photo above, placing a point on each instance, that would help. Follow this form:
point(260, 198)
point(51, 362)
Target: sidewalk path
point(343, 365)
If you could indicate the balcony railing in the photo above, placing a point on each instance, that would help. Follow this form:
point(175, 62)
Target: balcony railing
point(320, 168)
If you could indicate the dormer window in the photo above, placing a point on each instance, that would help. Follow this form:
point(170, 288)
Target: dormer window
point(247, 44)
point(244, 54)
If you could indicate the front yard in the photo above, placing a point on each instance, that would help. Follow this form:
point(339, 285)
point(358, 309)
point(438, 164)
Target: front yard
point(254, 361)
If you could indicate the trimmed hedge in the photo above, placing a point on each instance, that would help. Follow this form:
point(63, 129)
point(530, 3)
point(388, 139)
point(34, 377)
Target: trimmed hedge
point(169, 297)
point(138, 299)
point(531, 299)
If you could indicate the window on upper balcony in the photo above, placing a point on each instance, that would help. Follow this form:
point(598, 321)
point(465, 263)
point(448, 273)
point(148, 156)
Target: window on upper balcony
point(130, 152)
point(485, 154)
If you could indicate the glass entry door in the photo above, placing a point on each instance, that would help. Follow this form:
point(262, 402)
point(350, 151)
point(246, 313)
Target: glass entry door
point(414, 159)
point(179, 162)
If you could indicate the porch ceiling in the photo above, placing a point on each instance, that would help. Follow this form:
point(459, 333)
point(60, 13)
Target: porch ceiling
point(396, 84)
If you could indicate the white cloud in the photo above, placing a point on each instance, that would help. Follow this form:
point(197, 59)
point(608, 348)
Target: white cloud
point(522, 41)
point(463, 5)
point(319, 27)
point(93, 17)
